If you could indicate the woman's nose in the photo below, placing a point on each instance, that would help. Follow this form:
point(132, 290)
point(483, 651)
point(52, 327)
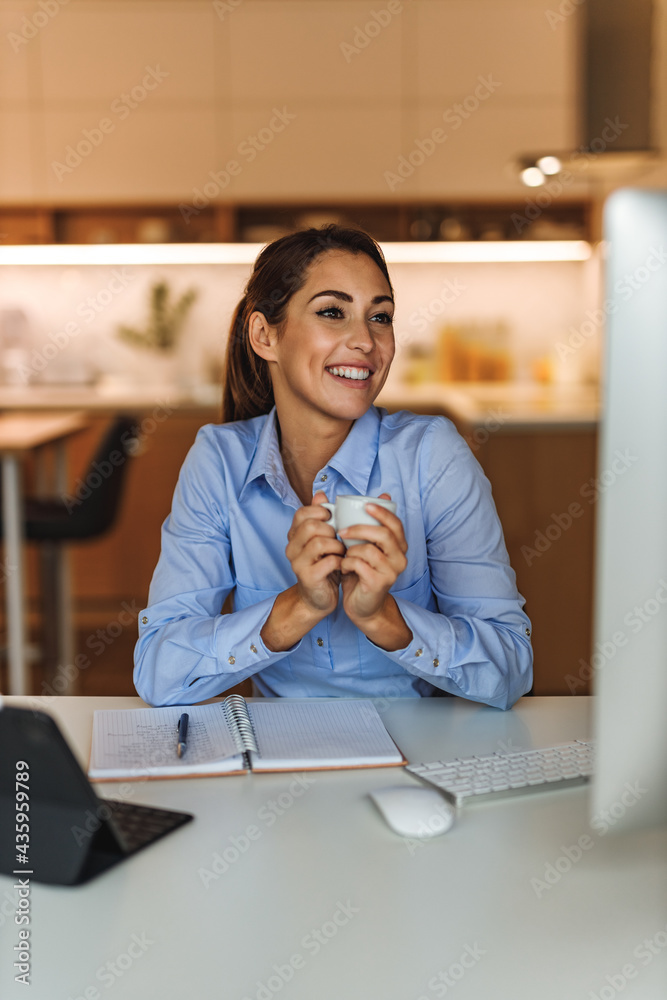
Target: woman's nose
point(360, 336)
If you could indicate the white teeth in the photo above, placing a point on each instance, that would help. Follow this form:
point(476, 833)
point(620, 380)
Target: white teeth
point(353, 373)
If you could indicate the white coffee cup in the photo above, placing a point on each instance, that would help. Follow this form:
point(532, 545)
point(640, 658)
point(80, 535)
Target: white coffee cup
point(350, 510)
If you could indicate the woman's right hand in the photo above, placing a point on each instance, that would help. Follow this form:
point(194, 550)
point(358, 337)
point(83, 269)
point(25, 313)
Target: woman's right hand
point(315, 555)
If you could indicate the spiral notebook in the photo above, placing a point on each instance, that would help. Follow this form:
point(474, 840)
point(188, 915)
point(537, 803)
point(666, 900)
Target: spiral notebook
point(234, 736)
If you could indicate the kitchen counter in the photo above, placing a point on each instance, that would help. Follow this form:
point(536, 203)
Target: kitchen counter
point(512, 406)
point(109, 397)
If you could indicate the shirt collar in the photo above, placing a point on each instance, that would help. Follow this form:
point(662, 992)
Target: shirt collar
point(354, 459)
point(267, 461)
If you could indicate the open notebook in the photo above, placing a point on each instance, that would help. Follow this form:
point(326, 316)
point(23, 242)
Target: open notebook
point(234, 735)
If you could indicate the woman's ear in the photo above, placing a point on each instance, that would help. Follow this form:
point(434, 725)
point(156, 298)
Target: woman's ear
point(262, 336)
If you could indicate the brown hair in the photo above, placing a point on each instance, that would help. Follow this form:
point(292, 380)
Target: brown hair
point(279, 272)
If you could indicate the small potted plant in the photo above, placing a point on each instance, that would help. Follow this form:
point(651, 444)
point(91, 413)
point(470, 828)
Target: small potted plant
point(161, 333)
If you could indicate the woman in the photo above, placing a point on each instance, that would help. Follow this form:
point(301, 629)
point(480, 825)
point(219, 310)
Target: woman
point(429, 603)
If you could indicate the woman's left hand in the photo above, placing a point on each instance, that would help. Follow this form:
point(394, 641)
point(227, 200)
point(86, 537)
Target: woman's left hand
point(369, 570)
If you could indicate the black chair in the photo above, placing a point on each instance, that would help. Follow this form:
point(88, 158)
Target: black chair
point(91, 510)
point(55, 521)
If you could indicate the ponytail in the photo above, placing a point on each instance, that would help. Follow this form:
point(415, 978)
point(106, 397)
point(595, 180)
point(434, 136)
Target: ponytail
point(247, 388)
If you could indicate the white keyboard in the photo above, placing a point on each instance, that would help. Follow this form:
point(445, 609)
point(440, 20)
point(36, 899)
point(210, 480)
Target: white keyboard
point(515, 772)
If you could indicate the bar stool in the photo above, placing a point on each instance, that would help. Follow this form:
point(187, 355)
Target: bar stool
point(55, 521)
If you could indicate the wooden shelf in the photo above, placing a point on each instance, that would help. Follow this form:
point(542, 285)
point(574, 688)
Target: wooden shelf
point(258, 223)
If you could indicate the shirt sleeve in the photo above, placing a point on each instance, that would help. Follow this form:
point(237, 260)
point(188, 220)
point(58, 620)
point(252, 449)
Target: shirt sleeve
point(476, 642)
point(187, 650)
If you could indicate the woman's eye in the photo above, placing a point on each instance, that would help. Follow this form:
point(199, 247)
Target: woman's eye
point(384, 318)
point(331, 312)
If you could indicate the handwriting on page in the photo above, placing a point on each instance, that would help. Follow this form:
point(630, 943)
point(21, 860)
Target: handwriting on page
point(147, 739)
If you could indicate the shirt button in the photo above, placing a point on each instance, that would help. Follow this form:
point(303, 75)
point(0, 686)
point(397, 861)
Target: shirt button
point(418, 652)
point(527, 631)
point(253, 647)
point(144, 620)
point(436, 663)
point(323, 477)
point(320, 642)
point(231, 659)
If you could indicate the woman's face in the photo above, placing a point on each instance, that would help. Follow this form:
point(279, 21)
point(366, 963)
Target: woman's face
point(338, 339)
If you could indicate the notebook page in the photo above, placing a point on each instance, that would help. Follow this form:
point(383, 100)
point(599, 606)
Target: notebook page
point(137, 743)
point(316, 733)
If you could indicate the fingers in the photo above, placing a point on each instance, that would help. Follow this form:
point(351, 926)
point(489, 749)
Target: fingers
point(388, 519)
point(388, 536)
point(316, 517)
point(308, 545)
point(313, 549)
point(386, 568)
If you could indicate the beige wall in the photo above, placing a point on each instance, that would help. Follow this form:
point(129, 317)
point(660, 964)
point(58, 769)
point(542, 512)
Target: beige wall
point(230, 65)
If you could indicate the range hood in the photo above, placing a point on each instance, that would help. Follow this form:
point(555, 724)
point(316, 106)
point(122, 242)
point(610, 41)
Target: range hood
point(615, 91)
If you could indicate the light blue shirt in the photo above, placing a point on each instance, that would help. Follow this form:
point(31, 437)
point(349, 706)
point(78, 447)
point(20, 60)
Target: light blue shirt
point(227, 529)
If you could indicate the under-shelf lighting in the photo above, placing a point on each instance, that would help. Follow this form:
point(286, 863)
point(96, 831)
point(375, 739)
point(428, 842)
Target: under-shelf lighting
point(486, 251)
point(435, 252)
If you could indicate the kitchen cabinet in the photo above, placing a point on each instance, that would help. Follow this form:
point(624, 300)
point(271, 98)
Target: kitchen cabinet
point(387, 221)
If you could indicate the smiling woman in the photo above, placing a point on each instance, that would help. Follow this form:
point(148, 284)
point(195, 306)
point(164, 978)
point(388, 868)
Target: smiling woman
point(425, 602)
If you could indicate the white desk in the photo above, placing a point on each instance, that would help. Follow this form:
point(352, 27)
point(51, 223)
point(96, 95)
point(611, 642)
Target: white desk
point(416, 909)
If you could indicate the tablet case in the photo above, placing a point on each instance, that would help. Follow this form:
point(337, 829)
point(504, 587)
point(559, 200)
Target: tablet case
point(73, 835)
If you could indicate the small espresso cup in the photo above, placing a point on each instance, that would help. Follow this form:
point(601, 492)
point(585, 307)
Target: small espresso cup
point(350, 510)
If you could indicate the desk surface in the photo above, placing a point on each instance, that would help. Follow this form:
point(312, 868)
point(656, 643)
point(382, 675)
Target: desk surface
point(297, 888)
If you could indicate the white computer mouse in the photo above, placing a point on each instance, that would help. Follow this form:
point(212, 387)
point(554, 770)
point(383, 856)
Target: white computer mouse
point(412, 811)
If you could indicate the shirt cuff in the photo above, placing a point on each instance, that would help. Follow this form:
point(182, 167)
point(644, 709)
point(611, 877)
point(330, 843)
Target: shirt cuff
point(426, 654)
point(240, 648)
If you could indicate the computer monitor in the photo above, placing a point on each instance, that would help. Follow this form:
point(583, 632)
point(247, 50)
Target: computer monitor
point(630, 617)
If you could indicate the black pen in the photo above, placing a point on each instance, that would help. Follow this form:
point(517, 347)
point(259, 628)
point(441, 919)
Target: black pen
point(182, 734)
